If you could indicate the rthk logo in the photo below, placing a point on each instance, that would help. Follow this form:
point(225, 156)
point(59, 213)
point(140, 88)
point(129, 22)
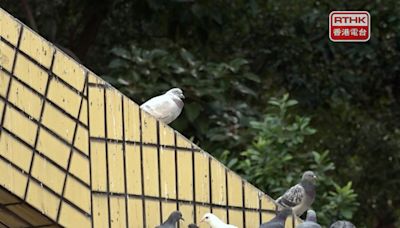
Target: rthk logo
point(349, 26)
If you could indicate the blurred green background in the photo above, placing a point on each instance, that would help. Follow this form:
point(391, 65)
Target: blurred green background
point(267, 92)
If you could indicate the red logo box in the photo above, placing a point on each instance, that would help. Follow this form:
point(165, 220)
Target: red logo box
point(349, 26)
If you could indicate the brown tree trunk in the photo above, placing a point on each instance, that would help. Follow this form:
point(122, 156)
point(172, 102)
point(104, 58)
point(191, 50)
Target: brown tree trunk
point(93, 15)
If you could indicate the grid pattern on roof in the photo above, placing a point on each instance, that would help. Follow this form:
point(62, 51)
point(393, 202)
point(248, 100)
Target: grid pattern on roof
point(71, 146)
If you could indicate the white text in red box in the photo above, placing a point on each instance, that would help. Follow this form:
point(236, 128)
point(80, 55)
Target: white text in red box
point(349, 26)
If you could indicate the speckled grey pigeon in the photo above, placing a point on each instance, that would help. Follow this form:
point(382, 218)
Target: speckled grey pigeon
point(311, 221)
point(343, 224)
point(193, 226)
point(166, 107)
point(279, 220)
point(301, 196)
point(171, 220)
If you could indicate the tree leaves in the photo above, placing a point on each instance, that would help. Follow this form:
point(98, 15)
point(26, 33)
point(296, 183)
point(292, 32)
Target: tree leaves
point(276, 160)
point(207, 85)
point(230, 57)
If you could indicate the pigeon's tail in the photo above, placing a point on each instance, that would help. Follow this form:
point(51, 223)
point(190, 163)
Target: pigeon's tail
point(278, 201)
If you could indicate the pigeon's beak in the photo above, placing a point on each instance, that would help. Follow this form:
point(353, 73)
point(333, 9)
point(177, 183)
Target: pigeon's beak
point(182, 96)
point(315, 177)
point(202, 220)
point(182, 219)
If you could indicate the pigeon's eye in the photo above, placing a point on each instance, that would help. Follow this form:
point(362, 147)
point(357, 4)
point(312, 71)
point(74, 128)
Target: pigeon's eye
point(206, 217)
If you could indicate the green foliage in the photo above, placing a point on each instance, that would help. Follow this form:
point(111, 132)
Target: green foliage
point(142, 73)
point(341, 200)
point(276, 160)
point(349, 89)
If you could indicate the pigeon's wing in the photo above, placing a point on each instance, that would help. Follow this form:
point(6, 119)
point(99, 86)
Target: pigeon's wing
point(160, 107)
point(292, 197)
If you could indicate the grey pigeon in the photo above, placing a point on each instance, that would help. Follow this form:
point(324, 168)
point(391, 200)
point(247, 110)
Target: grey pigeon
point(166, 107)
point(279, 220)
point(193, 226)
point(343, 224)
point(311, 221)
point(171, 221)
point(301, 196)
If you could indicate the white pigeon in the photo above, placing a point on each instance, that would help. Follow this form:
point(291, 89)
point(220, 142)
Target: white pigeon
point(215, 222)
point(166, 107)
point(301, 196)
